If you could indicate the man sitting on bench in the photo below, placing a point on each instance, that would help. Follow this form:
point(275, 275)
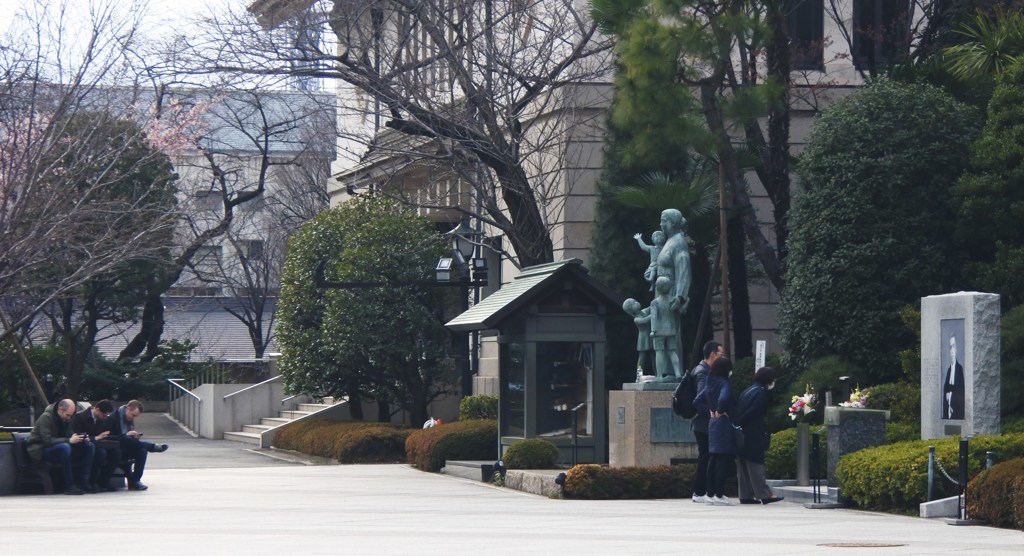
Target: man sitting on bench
point(108, 452)
point(122, 428)
point(51, 440)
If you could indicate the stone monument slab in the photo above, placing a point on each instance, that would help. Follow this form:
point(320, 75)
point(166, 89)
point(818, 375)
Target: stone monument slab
point(960, 364)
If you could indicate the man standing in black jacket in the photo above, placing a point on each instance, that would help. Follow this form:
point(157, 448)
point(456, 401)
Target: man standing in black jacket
point(122, 428)
point(712, 351)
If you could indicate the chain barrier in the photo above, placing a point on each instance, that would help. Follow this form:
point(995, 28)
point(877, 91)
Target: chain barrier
point(943, 470)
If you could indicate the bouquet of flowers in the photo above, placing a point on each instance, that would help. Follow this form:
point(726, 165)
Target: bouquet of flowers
point(858, 399)
point(803, 405)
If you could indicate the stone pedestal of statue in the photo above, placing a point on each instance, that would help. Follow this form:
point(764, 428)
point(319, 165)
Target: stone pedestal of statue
point(643, 431)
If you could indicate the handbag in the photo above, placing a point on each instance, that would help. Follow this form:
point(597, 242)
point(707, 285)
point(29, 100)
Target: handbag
point(738, 437)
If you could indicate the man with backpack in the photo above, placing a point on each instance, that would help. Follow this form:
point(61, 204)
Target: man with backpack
point(699, 422)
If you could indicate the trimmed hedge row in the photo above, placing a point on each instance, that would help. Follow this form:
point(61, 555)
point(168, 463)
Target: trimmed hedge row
point(997, 495)
point(532, 453)
point(780, 459)
point(427, 449)
point(596, 482)
point(895, 476)
point(345, 441)
point(480, 406)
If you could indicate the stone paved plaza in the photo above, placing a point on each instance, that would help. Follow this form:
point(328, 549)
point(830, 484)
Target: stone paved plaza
point(220, 497)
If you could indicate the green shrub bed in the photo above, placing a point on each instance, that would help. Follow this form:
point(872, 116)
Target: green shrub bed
point(894, 477)
point(480, 406)
point(596, 482)
point(532, 453)
point(780, 459)
point(997, 495)
point(345, 441)
point(428, 449)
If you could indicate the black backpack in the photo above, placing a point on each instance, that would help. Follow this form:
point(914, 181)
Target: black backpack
point(682, 397)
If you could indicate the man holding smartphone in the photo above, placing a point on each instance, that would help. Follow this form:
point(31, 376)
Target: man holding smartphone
point(52, 440)
point(121, 426)
point(90, 422)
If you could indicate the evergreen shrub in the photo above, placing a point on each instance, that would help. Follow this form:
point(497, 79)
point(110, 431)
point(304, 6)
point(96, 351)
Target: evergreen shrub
point(596, 482)
point(345, 441)
point(532, 453)
point(780, 459)
point(480, 406)
point(428, 449)
point(997, 494)
point(901, 399)
point(894, 477)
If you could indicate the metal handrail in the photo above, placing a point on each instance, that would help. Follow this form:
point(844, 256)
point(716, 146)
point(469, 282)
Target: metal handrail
point(183, 389)
point(272, 379)
point(187, 411)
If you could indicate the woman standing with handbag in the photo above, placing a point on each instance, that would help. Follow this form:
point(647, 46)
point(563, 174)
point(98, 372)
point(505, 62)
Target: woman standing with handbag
point(716, 400)
point(750, 415)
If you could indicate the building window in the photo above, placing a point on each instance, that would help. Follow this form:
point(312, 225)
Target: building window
point(208, 200)
point(207, 261)
point(252, 248)
point(805, 20)
point(881, 30)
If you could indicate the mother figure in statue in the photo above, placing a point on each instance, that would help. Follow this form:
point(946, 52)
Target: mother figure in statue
point(674, 264)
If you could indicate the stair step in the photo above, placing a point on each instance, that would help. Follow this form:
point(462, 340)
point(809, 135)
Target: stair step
point(257, 429)
point(311, 407)
point(293, 414)
point(246, 437)
point(274, 421)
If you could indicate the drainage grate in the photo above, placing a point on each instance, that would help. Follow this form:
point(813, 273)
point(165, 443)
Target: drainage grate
point(861, 544)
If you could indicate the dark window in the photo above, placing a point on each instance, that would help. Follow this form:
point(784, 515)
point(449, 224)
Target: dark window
point(805, 20)
point(881, 29)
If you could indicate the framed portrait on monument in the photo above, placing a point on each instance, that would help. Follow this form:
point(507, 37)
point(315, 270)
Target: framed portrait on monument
point(952, 388)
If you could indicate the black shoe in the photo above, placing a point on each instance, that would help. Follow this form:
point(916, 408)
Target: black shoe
point(89, 489)
point(158, 448)
point(748, 501)
point(772, 499)
point(108, 489)
point(137, 486)
point(73, 490)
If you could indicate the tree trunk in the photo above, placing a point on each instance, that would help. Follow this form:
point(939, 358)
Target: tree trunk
point(739, 295)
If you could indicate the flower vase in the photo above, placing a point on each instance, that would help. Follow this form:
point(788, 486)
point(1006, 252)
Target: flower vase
point(803, 454)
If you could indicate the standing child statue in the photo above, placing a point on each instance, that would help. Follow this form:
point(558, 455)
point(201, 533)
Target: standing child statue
point(664, 330)
point(642, 320)
point(658, 237)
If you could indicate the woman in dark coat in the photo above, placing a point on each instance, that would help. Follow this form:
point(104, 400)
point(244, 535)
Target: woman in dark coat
point(716, 400)
point(750, 415)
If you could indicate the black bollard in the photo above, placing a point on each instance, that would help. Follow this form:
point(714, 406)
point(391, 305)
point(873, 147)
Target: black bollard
point(962, 478)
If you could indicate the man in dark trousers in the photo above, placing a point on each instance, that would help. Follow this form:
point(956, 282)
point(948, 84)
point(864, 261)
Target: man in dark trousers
point(51, 440)
point(122, 428)
point(90, 422)
point(712, 351)
point(953, 399)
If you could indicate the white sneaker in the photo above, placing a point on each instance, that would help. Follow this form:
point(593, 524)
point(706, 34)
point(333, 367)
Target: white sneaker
point(701, 499)
point(722, 501)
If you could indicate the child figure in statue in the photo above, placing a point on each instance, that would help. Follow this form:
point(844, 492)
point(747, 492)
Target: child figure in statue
point(642, 320)
point(665, 330)
point(658, 237)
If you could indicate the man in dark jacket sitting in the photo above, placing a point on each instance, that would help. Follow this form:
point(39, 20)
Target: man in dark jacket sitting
point(90, 422)
point(122, 428)
point(51, 440)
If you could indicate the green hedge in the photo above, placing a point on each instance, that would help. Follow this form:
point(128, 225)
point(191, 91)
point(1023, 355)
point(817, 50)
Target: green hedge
point(596, 482)
point(427, 449)
point(345, 441)
point(480, 406)
point(780, 459)
point(895, 476)
point(532, 453)
point(997, 495)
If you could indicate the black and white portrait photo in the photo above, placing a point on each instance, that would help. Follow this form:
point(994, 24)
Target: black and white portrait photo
point(952, 375)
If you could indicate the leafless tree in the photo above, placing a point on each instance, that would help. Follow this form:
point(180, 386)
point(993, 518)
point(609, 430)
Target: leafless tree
point(255, 168)
point(60, 226)
point(480, 98)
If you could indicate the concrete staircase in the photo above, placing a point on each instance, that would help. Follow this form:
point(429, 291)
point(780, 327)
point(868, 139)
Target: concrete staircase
point(250, 434)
